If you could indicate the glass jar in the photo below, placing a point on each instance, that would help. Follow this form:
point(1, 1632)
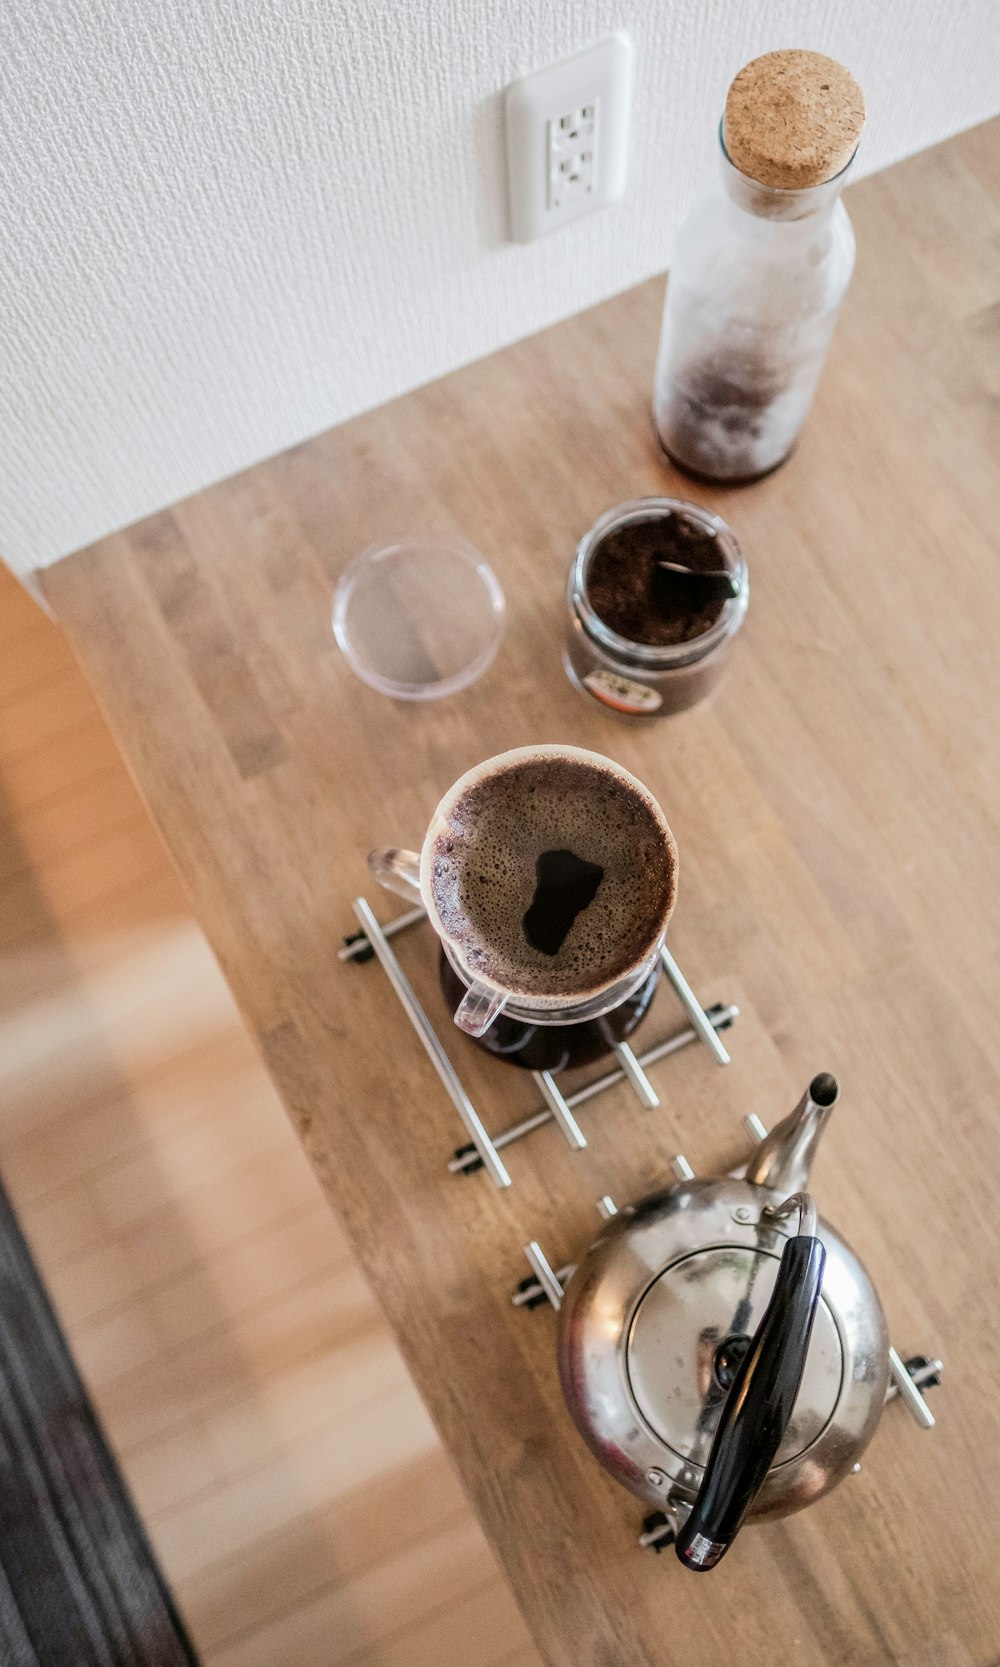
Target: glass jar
point(646, 680)
point(756, 282)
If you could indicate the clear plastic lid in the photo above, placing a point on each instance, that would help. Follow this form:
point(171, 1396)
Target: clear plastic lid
point(420, 619)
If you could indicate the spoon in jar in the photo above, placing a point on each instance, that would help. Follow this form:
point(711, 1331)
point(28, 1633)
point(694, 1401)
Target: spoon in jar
point(674, 583)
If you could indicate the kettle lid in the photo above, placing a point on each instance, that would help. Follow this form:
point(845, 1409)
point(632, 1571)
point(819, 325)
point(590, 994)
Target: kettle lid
point(689, 1333)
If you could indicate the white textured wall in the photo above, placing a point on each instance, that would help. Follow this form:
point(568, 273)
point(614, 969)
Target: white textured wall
point(226, 224)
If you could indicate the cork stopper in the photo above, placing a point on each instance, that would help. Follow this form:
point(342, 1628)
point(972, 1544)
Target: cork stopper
point(793, 119)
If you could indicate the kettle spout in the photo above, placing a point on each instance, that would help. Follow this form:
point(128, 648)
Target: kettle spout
point(783, 1161)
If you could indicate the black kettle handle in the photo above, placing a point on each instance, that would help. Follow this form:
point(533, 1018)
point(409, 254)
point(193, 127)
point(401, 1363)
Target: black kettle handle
point(759, 1404)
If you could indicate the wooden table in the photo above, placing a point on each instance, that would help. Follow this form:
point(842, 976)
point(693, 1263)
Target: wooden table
point(838, 814)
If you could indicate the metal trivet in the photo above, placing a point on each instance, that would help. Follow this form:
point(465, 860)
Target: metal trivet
point(484, 1150)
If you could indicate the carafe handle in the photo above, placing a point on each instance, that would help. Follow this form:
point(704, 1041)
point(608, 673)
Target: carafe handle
point(759, 1405)
point(397, 870)
point(478, 1008)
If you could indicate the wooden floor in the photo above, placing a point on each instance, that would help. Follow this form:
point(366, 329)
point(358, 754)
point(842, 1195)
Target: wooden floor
point(260, 1409)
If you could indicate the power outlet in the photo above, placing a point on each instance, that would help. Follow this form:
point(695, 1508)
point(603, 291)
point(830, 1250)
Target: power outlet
point(573, 155)
point(567, 138)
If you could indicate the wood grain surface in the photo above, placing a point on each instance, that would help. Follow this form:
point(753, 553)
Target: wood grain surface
point(837, 809)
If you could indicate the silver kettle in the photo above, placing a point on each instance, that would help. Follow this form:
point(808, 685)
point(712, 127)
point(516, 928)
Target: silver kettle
point(722, 1351)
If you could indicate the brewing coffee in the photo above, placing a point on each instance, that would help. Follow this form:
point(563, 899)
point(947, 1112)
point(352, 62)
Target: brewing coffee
point(554, 874)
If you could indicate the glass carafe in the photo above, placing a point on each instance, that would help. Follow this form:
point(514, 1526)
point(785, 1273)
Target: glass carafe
point(756, 282)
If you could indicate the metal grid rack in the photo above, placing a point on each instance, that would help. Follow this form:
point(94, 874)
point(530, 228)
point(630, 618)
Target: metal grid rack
point(483, 1150)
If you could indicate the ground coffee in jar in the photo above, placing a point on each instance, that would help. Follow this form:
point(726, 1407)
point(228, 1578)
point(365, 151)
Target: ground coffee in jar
point(657, 591)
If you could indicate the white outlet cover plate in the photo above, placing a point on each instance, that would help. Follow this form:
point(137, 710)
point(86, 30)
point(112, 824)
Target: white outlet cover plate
point(567, 138)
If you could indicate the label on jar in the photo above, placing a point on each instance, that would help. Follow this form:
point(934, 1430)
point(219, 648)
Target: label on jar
point(622, 694)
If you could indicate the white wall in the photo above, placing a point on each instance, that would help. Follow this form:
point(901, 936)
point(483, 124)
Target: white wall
point(226, 224)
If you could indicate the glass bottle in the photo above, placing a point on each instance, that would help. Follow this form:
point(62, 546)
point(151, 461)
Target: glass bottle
point(757, 279)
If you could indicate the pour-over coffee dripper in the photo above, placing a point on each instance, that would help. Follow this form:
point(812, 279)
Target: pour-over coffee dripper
point(506, 1019)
